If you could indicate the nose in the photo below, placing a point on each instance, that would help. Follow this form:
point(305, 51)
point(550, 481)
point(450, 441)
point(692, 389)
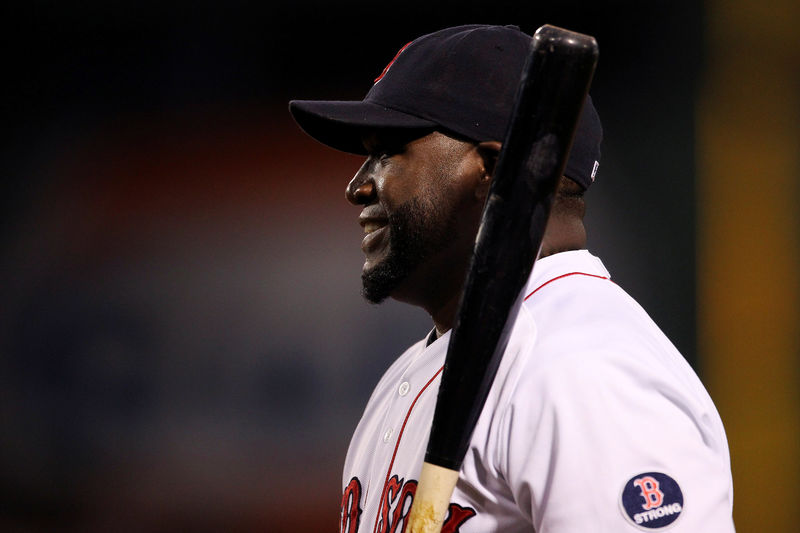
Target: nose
point(361, 189)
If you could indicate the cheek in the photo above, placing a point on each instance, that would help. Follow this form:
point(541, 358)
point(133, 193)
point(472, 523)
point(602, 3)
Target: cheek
point(462, 185)
point(401, 184)
point(453, 208)
point(444, 181)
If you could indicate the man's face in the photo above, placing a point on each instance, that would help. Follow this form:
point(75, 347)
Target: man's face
point(420, 211)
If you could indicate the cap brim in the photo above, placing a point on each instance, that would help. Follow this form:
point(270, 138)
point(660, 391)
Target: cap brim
point(342, 124)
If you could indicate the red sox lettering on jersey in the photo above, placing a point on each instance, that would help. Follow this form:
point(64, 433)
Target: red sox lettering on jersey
point(589, 394)
point(351, 507)
point(399, 495)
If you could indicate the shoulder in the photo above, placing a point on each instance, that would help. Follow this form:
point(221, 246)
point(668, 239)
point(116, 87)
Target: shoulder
point(596, 393)
point(592, 339)
point(578, 308)
point(596, 418)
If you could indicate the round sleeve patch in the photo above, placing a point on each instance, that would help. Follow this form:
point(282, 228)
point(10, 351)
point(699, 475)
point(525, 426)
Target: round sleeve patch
point(652, 500)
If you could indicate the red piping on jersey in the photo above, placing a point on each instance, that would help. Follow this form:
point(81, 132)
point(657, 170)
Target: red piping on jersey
point(564, 276)
point(397, 445)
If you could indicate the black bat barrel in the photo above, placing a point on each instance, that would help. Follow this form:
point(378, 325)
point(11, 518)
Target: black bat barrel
point(552, 90)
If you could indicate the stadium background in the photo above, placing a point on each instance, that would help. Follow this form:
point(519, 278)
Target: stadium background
point(182, 343)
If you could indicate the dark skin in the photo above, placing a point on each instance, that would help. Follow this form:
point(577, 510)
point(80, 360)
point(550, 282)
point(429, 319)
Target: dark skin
point(449, 178)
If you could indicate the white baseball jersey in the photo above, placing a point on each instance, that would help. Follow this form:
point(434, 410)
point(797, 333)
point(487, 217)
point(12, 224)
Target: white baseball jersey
point(594, 423)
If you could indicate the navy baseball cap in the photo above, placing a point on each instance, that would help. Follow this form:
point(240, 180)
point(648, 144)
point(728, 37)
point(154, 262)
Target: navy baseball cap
point(460, 80)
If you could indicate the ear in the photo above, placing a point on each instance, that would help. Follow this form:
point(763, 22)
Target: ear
point(488, 152)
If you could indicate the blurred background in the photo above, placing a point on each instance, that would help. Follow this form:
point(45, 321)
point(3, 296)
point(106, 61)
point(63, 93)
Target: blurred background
point(183, 346)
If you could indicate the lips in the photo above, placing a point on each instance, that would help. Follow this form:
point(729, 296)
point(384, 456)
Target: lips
point(373, 240)
point(371, 226)
point(374, 221)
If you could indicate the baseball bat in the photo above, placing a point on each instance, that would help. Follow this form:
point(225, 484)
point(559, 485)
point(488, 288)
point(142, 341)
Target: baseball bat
point(548, 104)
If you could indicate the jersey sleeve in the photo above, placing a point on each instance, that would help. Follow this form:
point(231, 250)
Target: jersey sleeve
point(608, 440)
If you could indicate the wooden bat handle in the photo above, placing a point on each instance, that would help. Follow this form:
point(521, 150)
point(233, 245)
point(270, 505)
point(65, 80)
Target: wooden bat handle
point(432, 499)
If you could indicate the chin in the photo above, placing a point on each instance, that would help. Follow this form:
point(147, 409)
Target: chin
point(384, 280)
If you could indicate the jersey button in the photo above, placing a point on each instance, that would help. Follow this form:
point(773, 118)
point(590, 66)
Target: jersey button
point(403, 390)
point(387, 435)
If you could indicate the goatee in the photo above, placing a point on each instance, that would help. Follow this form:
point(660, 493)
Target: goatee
point(414, 235)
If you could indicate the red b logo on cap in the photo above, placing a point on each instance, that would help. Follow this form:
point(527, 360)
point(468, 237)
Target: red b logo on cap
point(386, 69)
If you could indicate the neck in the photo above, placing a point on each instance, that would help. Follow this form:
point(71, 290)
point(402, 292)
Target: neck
point(439, 299)
point(445, 316)
point(563, 234)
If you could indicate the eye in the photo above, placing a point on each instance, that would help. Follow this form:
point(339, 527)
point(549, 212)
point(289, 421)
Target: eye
point(379, 149)
point(388, 153)
point(383, 159)
point(384, 152)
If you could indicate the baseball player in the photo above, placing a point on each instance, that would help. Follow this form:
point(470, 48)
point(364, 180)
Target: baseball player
point(594, 422)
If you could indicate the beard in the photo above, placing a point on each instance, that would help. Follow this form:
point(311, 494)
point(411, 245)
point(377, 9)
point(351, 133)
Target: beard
point(415, 233)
